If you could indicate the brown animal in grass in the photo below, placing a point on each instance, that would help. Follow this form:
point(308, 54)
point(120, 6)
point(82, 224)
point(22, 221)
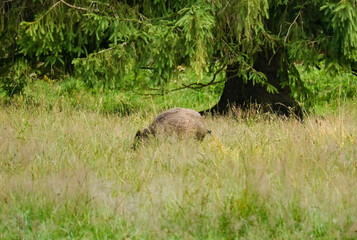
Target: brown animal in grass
point(180, 121)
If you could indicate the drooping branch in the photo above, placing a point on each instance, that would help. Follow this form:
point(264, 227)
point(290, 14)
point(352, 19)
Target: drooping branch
point(49, 10)
point(75, 7)
point(294, 22)
point(287, 34)
point(202, 85)
point(194, 86)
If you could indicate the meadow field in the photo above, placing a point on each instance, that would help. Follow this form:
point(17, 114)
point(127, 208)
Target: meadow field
point(70, 173)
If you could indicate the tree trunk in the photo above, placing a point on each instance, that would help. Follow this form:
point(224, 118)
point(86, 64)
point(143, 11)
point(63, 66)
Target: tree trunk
point(236, 93)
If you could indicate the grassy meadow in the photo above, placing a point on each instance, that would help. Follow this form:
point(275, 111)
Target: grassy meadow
point(68, 172)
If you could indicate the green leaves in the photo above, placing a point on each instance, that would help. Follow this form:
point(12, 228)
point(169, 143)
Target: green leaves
point(117, 38)
point(16, 79)
point(104, 68)
point(343, 26)
point(159, 45)
point(242, 21)
point(197, 23)
point(102, 41)
point(53, 37)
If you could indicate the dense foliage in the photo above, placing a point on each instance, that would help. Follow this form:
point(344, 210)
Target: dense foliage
point(103, 41)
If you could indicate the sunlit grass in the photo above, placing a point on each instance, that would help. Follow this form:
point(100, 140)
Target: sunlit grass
point(71, 174)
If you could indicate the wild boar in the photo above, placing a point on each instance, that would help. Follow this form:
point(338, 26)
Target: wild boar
point(180, 121)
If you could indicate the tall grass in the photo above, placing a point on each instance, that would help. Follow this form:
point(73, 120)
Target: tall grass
point(69, 173)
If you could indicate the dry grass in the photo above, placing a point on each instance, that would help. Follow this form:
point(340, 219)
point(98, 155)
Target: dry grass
point(72, 174)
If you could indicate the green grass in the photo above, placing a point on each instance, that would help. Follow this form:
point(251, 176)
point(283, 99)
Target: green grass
point(326, 90)
point(72, 94)
point(67, 171)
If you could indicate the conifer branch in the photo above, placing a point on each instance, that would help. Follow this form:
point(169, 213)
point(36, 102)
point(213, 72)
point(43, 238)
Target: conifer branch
point(202, 85)
point(287, 34)
point(54, 5)
point(194, 86)
point(75, 7)
point(49, 10)
point(294, 22)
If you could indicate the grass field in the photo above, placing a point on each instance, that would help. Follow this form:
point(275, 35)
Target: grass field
point(71, 174)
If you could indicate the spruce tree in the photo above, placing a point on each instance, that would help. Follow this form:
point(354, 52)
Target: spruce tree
point(258, 43)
